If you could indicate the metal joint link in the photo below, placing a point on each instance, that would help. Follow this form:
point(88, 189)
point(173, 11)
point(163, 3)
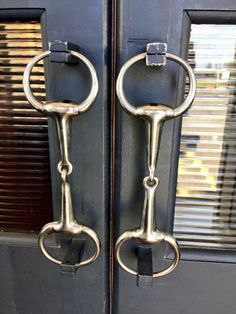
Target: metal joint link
point(155, 115)
point(64, 174)
point(63, 112)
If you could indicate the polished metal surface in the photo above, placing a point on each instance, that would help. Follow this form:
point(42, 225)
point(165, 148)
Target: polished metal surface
point(205, 211)
point(60, 107)
point(148, 232)
point(155, 115)
point(179, 110)
point(62, 113)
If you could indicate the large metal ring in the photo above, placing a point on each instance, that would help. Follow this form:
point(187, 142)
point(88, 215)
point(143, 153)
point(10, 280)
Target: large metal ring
point(79, 108)
point(52, 227)
point(176, 111)
point(129, 235)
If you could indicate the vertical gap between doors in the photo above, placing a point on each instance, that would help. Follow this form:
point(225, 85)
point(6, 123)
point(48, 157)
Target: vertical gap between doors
point(113, 22)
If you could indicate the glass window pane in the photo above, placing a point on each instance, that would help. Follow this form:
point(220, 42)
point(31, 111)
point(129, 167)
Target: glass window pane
point(205, 212)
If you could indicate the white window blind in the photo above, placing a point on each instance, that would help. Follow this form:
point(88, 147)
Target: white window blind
point(205, 211)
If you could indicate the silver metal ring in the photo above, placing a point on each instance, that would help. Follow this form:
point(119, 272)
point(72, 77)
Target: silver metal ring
point(79, 108)
point(52, 227)
point(129, 235)
point(176, 111)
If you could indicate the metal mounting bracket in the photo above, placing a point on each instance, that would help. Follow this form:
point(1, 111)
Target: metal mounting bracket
point(73, 255)
point(144, 267)
point(156, 54)
point(60, 52)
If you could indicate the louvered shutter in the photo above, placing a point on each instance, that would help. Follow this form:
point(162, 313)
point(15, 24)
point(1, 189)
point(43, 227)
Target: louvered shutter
point(25, 184)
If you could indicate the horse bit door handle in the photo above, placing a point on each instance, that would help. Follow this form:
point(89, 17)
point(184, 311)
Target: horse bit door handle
point(155, 115)
point(62, 112)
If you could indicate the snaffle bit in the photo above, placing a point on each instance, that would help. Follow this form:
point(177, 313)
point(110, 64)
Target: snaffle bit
point(155, 115)
point(62, 113)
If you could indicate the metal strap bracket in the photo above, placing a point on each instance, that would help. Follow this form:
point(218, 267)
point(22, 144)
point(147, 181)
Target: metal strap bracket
point(144, 267)
point(72, 257)
point(60, 52)
point(156, 54)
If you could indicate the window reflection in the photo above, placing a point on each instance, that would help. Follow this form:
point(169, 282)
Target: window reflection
point(205, 212)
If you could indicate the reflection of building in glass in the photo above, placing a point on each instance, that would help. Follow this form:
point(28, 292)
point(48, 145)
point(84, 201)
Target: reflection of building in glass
point(205, 201)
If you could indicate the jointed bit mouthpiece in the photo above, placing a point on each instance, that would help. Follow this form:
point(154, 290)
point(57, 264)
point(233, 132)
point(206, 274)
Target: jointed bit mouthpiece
point(62, 112)
point(155, 115)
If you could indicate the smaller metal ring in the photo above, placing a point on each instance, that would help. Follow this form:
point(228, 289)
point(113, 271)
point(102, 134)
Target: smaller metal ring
point(49, 228)
point(67, 171)
point(129, 235)
point(80, 108)
point(176, 111)
point(148, 182)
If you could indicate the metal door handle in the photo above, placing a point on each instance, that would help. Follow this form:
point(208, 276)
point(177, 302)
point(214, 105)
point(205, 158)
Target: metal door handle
point(154, 115)
point(63, 112)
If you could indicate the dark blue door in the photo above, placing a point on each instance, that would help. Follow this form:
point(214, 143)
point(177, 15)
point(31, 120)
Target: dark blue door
point(195, 198)
point(30, 185)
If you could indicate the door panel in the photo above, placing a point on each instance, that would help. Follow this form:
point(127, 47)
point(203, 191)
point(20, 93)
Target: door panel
point(199, 284)
point(29, 282)
point(204, 281)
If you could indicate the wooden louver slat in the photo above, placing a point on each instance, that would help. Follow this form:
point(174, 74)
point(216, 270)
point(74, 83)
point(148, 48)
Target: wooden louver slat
point(25, 182)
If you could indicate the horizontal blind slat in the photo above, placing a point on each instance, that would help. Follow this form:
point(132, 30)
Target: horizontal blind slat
point(205, 211)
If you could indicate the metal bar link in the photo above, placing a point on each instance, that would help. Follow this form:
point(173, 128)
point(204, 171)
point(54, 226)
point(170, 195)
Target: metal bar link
point(156, 54)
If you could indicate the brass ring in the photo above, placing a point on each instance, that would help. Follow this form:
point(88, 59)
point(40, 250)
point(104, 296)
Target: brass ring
point(129, 235)
point(78, 108)
point(176, 111)
point(51, 227)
